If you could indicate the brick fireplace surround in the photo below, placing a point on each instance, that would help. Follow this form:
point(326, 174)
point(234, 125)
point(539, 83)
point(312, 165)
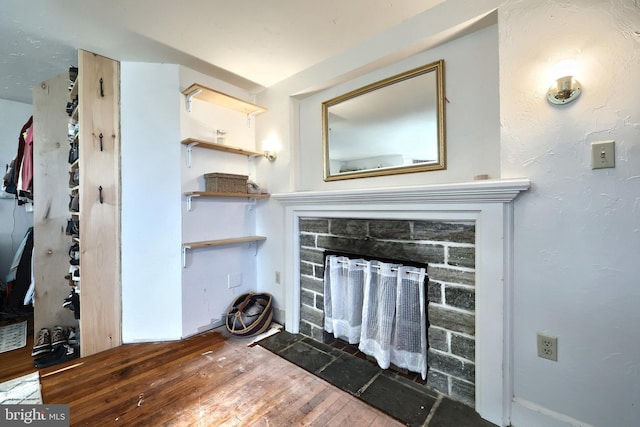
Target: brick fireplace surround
point(448, 248)
point(486, 206)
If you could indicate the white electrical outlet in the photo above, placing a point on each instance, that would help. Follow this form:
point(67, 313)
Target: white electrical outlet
point(548, 347)
point(234, 280)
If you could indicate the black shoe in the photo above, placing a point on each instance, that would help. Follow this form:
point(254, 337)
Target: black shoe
point(43, 345)
point(62, 353)
point(58, 336)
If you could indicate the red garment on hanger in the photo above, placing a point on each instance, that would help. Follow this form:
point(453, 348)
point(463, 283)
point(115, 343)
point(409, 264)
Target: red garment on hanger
point(27, 161)
point(19, 156)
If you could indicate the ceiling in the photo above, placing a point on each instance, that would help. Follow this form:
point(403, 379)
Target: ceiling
point(250, 43)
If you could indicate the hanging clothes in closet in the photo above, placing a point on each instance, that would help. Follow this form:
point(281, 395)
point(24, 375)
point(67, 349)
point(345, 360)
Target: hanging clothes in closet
point(19, 177)
point(20, 273)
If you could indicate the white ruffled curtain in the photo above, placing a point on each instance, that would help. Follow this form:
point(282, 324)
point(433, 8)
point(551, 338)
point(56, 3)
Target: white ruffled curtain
point(380, 305)
point(344, 280)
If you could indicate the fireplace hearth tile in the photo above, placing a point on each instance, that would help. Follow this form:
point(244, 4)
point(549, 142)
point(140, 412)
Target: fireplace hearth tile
point(322, 347)
point(451, 413)
point(390, 391)
point(306, 357)
point(399, 401)
point(280, 341)
point(349, 373)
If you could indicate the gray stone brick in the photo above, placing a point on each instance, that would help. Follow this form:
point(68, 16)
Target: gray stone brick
point(438, 381)
point(438, 339)
point(348, 227)
point(451, 275)
point(320, 302)
point(307, 298)
point(462, 257)
point(434, 292)
point(314, 256)
point(345, 244)
point(308, 240)
point(458, 232)
point(452, 320)
point(312, 284)
point(460, 297)
point(318, 272)
point(311, 315)
point(402, 251)
point(390, 229)
point(463, 347)
point(306, 269)
point(317, 333)
point(452, 366)
point(463, 391)
point(305, 329)
point(314, 225)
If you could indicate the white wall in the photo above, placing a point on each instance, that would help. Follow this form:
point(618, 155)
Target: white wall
point(14, 220)
point(151, 235)
point(472, 122)
point(205, 279)
point(577, 232)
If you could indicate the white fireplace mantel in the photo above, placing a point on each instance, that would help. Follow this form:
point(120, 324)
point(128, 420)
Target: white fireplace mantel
point(482, 191)
point(489, 204)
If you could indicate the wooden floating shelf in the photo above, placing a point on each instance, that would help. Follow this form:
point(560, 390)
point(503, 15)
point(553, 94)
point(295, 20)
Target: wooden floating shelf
point(220, 147)
point(217, 194)
point(223, 242)
point(222, 99)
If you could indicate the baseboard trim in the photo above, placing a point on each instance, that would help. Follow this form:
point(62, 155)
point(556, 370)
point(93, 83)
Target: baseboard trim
point(526, 413)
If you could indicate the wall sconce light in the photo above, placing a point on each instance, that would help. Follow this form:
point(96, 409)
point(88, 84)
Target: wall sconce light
point(270, 155)
point(270, 148)
point(564, 90)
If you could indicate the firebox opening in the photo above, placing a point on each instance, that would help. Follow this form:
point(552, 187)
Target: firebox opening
point(380, 305)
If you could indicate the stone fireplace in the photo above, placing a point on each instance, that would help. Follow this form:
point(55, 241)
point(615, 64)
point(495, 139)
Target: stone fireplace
point(448, 248)
point(484, 209)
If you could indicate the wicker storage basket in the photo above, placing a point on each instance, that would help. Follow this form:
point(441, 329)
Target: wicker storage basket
point(250, 314)
point(225, 183)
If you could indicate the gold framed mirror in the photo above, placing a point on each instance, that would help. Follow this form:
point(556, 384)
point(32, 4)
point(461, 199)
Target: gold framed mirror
point(393, 126)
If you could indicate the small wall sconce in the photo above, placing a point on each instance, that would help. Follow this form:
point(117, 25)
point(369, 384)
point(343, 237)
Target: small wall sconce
point(270, 147)
point(564, 90)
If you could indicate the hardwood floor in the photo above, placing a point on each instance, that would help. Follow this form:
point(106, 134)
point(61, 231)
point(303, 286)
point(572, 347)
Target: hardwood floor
point(207, 380)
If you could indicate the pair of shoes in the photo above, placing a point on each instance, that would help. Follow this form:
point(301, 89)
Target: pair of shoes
point(74, 178)
point(74, 202)
point(48, 342)
point(43, 344)
point(62, 353)
point(73, 228)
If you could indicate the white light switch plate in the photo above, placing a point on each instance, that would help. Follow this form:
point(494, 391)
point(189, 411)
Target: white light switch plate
point(603, 155)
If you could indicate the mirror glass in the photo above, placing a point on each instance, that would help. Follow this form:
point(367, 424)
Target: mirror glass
point(392, 126)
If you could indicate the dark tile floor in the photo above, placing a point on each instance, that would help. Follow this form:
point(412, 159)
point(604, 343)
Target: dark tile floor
point(392, 392)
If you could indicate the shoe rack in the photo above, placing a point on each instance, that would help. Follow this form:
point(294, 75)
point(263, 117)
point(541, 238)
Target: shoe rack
point(99, 202)
point(77, 207)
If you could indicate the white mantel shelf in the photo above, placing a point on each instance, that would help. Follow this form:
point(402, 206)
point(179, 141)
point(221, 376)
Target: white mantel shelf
point(484, 191)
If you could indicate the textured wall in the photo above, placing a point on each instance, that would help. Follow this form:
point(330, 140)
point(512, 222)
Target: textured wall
point(577, 230)
point(448, 248)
